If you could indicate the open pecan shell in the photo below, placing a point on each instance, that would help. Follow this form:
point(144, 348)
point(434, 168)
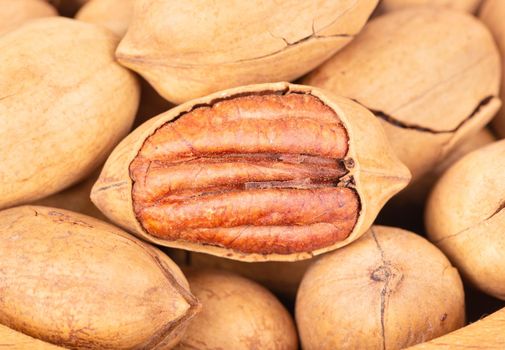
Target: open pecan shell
point(262, 172)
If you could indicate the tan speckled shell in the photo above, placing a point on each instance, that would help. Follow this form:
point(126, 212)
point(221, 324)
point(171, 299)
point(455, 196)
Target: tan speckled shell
point(112, 14)
point(469, 6)
point(465, 217)
point(14, 13)
point(237, 314)
point(492, 14)
point(74, 281)
point(12, 340)
point(64, 104)
point(417, 192)
point(188, 49)
point(378, 173)
point(430, 70)
point(388, 290)
point(282, 278)
point(484, 334)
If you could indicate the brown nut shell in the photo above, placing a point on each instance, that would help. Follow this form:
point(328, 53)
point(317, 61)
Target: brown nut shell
point(282, 278)
point(237, 314)
point(486, 333)
point(74, 281)
point(469, 6)
point(12, 340)
point(431, 76)
point(417, 192)
point(188, 49)
point(262, 172)
point(64, 104)
point(465, 217)
point(14, 13)
point(492, 14)
point(112, 14)
point(388, 290)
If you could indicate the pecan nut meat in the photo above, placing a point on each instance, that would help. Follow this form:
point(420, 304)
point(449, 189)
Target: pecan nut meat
point(262, 172)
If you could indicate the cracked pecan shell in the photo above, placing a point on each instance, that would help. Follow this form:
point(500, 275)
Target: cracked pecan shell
point(262, 172)
point(188, 49)
point(370, 289)
point(465, 217)
point(430, 75)
point(74, 281)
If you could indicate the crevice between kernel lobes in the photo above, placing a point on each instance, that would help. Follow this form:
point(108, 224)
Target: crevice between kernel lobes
point(396, 122)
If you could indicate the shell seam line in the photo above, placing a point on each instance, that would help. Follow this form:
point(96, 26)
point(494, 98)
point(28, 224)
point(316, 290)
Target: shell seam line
point(398, 123)
point(498, 210)
point(383, 291)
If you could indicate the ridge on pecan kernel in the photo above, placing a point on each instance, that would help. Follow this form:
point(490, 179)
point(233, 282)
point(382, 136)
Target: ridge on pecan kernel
point(259, 173)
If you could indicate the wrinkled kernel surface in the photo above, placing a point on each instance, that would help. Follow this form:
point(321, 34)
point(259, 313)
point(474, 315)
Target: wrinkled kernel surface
point(256, 174)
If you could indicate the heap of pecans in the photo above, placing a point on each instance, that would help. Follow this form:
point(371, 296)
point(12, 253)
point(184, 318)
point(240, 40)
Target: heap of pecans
point(252, 174)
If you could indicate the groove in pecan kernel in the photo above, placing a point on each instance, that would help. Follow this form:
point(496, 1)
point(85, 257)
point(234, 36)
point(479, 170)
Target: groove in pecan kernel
point(255, 174)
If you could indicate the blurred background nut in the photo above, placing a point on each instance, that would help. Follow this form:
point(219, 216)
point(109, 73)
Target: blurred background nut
point(188, 49)
point(430, 75)
point(267, 172)
point(14, 13)
point(465, 217)
point(388, 290)
point(282, 278)
point(492, 14)
point(74, 281)
point(237, 314)
point(418, 191)
point(64, 105)
point(469, 6)
point(406, 209)
point(112, 14)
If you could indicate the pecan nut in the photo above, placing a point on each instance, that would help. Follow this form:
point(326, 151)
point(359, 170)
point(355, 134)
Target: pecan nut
point(430, 91)
point(196, 48)
point(273, 172)
point(76, 282)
